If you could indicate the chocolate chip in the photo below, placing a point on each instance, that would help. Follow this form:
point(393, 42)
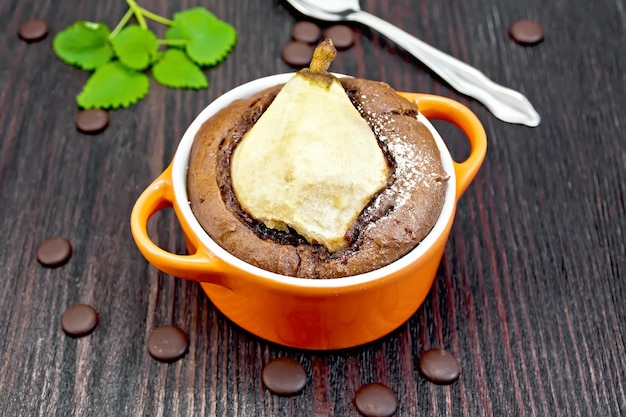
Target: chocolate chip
point(307, 32)
point(439, 366)
point(341, 35)
point(376, 400)
point(33, 30)
point(92, 121)
point(79, 320)
point(167, 343)
point(54, 252)
point(297, 54)
point(526, 32)
point(284, 376)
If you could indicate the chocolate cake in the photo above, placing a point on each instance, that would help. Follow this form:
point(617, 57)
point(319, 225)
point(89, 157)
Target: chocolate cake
point(394, 221)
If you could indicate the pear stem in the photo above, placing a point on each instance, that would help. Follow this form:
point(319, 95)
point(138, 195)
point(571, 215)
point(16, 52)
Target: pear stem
point(323, 55)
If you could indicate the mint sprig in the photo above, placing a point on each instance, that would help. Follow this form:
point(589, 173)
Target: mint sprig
point(195, 39)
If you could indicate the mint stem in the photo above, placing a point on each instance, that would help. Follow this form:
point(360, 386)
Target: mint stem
point(138, 13)
point(172, 42)
point(153, 16)
point(121, 24)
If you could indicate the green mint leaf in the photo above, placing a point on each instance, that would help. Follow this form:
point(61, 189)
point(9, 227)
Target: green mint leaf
point(209, 38)
point(177, 71)
point(174, 33)
point(135, 47)
point(113, 85)
point(84, 44)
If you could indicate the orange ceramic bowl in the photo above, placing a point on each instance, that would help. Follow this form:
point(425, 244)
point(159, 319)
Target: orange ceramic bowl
point(307, 313)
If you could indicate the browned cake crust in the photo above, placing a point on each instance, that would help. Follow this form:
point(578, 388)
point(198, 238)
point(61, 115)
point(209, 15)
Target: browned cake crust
point(392, 224)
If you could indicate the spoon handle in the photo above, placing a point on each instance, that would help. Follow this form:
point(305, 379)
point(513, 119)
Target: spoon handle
point(506, 104)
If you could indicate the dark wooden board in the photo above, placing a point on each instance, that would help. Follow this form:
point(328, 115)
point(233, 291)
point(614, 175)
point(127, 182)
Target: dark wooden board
point(530, 295)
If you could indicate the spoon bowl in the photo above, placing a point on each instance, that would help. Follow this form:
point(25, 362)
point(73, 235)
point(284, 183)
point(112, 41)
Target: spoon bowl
point(331, 11)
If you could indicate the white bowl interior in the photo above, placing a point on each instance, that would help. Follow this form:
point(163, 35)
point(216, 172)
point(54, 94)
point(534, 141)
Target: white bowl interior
point(179, 177)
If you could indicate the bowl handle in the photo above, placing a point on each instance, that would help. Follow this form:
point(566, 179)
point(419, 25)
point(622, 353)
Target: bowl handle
point(199, 266)
point(442, 108)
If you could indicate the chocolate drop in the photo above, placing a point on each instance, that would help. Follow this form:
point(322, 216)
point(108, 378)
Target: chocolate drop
point(33, 30)
point(284, 376)
point(439, 366)
point(376, 400)
point(307, 32)
point(297, 54)
point(79, 320)
point(54, 252)
point(341, 35)
point(167, 343)
point(526, 32)
point(92, 121)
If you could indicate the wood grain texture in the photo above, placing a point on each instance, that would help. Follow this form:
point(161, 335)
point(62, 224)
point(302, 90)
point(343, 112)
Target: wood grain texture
point(529, 296)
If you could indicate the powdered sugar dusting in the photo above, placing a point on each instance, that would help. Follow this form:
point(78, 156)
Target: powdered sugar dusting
point(410, 163)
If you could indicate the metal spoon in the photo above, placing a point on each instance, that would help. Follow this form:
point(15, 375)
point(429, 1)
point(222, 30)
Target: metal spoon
point(506, 104)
